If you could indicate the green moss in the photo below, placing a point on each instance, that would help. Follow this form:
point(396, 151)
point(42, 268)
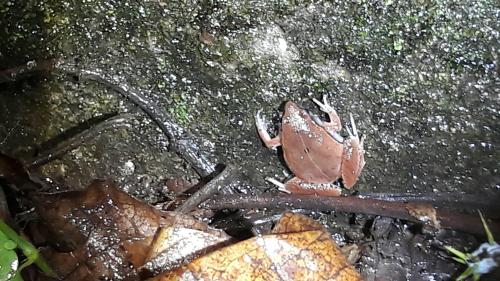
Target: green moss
point(398, 44)
point(179, 109)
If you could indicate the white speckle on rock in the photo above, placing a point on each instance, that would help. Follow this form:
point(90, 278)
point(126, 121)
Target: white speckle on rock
point(272, 42)
point(128, 168)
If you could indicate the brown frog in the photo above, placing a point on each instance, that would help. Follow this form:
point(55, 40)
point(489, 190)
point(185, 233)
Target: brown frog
point(314, 151)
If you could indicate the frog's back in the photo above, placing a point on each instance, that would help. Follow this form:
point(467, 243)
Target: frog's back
point(309, 151)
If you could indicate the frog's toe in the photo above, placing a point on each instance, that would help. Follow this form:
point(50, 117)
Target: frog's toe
point(353, 124)
point(261, 126)
point(325, 105)
point(258, 114)
point(260, 122)
point(281, 186)
point(354, 132)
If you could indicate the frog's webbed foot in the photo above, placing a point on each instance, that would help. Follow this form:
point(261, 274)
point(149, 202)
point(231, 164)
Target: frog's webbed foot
point(261, 126)
point(334, 124)
point(353, 159)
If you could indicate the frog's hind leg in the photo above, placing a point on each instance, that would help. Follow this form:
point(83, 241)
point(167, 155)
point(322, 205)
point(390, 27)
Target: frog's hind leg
point(334, 125)
point(353, 156)
point(298, 186)
point(264, 135)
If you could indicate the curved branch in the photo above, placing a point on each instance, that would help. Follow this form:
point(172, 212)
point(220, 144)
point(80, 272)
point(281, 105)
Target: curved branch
point(119, 121)
point(219, 184)
point(181, 141)
point(352, 204)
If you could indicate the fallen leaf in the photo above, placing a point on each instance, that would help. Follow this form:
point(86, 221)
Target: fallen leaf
point(291, 222)
point(103, 233)
point(298, 248)
point(182, 241)
point(425, 213)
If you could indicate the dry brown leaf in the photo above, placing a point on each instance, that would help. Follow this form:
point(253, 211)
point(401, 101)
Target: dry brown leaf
point(181, 242)
point(291, 222)
point(103, 233)
point(306, 252)
point(425, 213)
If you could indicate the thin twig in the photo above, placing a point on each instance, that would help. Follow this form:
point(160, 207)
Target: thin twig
point(209, 190)
point(350, 204)
point(119, 121)
point(181, 141)
point(486, 201)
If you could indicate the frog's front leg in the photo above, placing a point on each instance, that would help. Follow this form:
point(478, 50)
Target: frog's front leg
point(334, 124)
point(298, 186)
point(264, 135)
